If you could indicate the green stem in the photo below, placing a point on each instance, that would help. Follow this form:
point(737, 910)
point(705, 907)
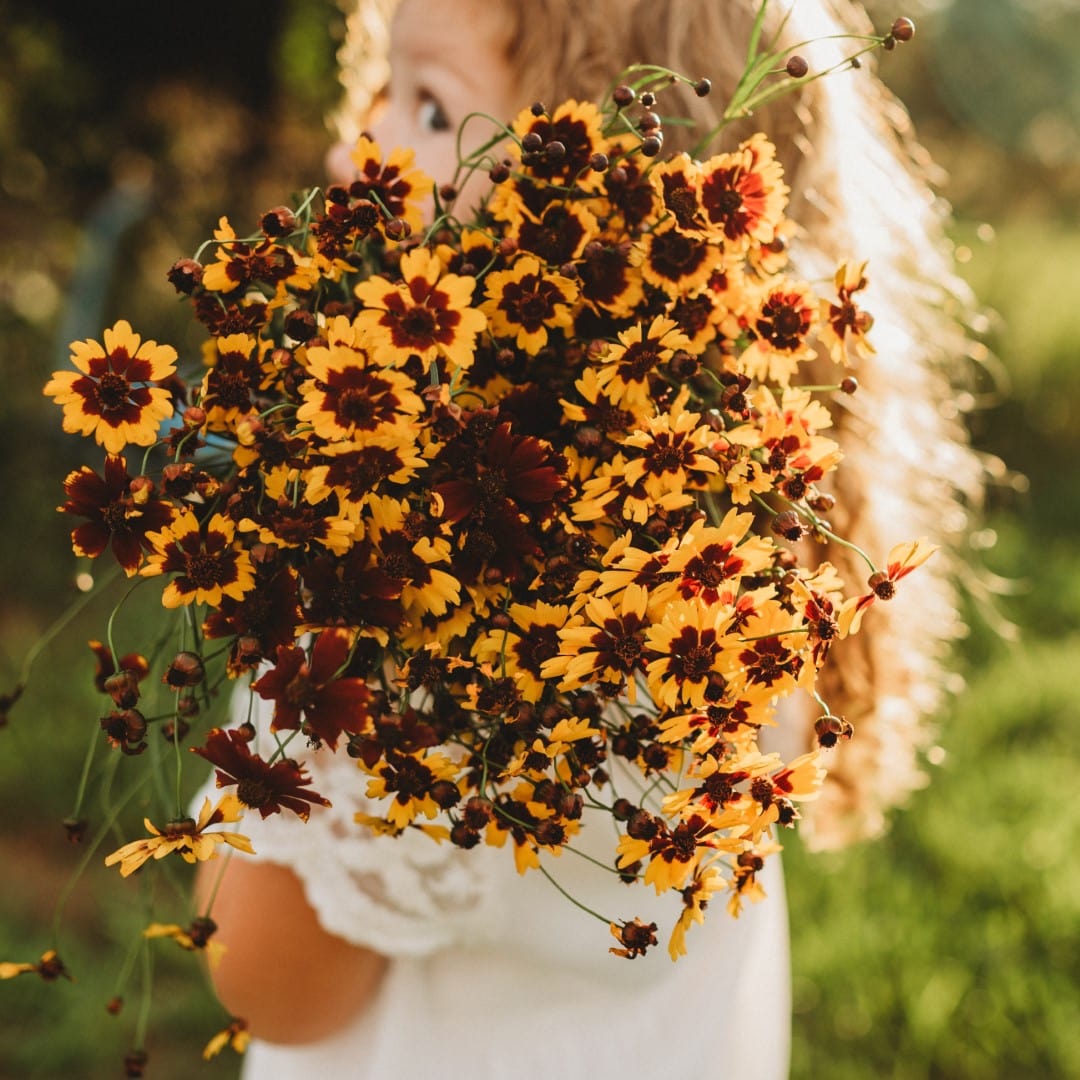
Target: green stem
point(69, 613)
point(573, 899)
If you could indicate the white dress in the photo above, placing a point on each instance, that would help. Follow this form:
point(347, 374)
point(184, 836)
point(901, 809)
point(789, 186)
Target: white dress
point(496, 975)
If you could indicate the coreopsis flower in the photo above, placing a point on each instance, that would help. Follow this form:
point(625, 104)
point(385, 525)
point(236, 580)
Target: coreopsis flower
point(709, 561)
point(626, 370)
point(234, 1034)
point(577, 126)
point(558, 235)
point(902, 560)
point(316, 697)
point(780, 329)
point(260, 785)
point(420, 783)
point(350, 397)
point(118, 678)
point(412, 553)
point(207, 563)
point(743, 194)
point(353, 470)
point(677, 183)
point(844, 325)
point(239, 265)
point(113, 395)
point(689, 646)
point(676, 263)
point(429, 314)
point(604, 644)
point(497, 486)
point(634, 938)
point(236, 375)
point(526, 301)
point(50, 967)
point(671, 452)
point(392, 182)
point(188, 838)
point(523, 652)
point(121, 511)
point(695, 896)
point(197, 936)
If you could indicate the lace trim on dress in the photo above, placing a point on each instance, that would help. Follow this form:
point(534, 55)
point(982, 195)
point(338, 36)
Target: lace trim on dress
point(402, 896)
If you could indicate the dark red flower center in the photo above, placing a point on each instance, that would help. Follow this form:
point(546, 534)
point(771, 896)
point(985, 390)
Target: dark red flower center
point(112, 391)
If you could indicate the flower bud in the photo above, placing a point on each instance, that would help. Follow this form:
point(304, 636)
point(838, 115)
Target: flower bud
point(796, 66)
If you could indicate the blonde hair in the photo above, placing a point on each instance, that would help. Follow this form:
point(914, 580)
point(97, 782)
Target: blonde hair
point(861, 188)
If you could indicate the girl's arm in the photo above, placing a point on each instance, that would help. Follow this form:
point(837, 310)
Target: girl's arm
point(291, 980)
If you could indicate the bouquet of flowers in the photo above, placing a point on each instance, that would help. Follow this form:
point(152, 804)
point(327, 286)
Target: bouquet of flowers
point(516, 507)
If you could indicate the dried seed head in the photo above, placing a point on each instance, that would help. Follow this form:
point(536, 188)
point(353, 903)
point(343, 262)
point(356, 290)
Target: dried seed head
point(788, 525)
point(186, 669)
point(278, 222)
point(185, 275)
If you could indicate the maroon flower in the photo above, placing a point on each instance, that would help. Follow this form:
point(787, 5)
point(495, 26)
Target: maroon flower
point(260, 785)
point(328, 704)
point(121, 510)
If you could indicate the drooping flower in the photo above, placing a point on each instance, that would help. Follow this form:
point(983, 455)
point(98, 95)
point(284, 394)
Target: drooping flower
point(844, 325)
point(234, 1034)
point(50, 967)
point(207, 563)
point(260, 785)
point(112, 395)
point(901, 561)
point(185, 837)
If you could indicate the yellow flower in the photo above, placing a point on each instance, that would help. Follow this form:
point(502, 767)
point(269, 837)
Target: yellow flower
point(627, 369)
point(429, 314)
point(207, 564)
point(236, 1035)
point(523, 654)
point(50, 967)
point(109, 396)
point(188, 839)
point(526, 301)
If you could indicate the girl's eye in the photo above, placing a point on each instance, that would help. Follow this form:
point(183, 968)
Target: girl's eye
point(431, 116)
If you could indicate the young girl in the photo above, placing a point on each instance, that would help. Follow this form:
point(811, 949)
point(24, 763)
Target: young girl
point(357, 956)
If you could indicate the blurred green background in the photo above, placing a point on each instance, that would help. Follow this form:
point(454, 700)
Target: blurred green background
point(949, 948)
